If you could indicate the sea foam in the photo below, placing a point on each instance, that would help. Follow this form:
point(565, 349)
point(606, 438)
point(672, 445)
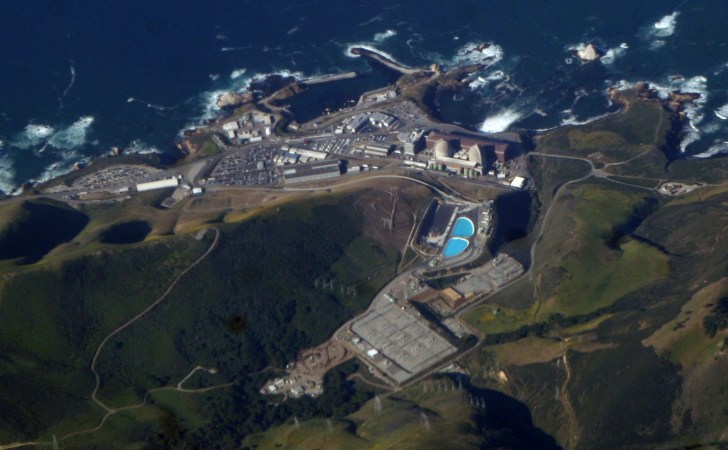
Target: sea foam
point(32, 135)
point(237, 73)
point(240, 83)
point(658, 31)
point(469, 54)
point(722, 112)
point(693, 110)
point(383, 36)
point(73, 136)
point(666, 25)
point(65, 165)
point(501, 121)
point(139, 147)
point(7, 175)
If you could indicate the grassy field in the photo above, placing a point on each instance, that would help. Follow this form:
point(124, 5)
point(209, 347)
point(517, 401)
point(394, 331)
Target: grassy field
point(585, 261)
point(599, 263)
point(640, 128)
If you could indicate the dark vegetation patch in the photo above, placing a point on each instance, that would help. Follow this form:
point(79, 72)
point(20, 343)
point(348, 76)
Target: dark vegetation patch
point(505, 422)
point(247, 310)
point(623, 395)
point(37, 229)
point(513, 214)
point(718, 318)
point(126, 232)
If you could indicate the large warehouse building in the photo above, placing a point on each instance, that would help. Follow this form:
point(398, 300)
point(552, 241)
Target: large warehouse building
point(159, 184)
point(304, 173)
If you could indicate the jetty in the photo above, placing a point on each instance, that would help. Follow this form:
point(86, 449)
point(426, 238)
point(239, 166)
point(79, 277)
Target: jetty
point(328, 78)
point(394, 65)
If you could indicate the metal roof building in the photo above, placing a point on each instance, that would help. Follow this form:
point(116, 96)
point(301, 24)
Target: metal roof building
point(159, 184)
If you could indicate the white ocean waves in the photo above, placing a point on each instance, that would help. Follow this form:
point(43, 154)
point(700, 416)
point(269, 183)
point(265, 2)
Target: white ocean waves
point(70, 83)
point(237, 73)
point(693, 110)
point(32, 135)
point(658, 31)
point(718, 148)
point(477, 53)
point(139, 147)
point(240, 81)
point(367, 46)
point(614, 53)
point(722, 112)
point(377, 18)
point(7, 175)
point(666, 25)
point(73, 136)
point(383, 36)
point(500, 121)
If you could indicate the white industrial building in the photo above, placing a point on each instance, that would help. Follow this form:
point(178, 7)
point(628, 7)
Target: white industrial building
point(159, 184)
point(381, 120)
point(518, 182)
point(357, 123)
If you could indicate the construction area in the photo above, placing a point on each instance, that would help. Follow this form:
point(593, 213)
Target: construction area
point(306, 374)
point(478, 283)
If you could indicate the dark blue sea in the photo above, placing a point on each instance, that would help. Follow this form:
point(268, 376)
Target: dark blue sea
point(78, 77)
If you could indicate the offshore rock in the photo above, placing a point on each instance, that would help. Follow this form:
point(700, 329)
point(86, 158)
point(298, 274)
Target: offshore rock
point(589, 53)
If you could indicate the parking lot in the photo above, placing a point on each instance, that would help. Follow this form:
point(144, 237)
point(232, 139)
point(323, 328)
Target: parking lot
point(127, 174)
point(246, 167)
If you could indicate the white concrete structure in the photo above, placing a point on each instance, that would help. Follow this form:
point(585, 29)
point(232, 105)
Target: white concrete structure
point(518, 182)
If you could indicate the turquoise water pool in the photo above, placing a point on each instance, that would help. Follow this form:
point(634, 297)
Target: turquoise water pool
point(455, 246)
point(463, 227)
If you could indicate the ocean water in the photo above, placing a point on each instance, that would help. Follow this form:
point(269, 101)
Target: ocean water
point(78, 77)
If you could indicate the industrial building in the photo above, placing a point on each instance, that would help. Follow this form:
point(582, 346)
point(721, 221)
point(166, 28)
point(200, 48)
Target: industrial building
point(304, 173)
point(491, 150)
point(377, 149)
point(306, 153)
point(468, 161)
point(357, 123)
point(518, 182)
point(436, 223)
point(159, 184)
point(397, 343)
point(412, 141)
point(381, 120)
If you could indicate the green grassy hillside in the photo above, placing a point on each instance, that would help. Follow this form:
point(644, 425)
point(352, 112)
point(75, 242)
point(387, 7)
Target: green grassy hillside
point(245, 310)
point(617, 339)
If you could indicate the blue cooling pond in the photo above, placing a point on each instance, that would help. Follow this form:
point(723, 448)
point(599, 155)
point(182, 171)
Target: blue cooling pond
point(455, 246)
point(463, 227)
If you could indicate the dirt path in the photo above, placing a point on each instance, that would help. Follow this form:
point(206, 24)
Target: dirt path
point(177, 387)
point(94, 394)
point(573, 438)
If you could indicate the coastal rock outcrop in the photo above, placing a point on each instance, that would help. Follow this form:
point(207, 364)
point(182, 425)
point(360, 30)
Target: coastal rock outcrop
point(677, 100)
point(231, 99)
